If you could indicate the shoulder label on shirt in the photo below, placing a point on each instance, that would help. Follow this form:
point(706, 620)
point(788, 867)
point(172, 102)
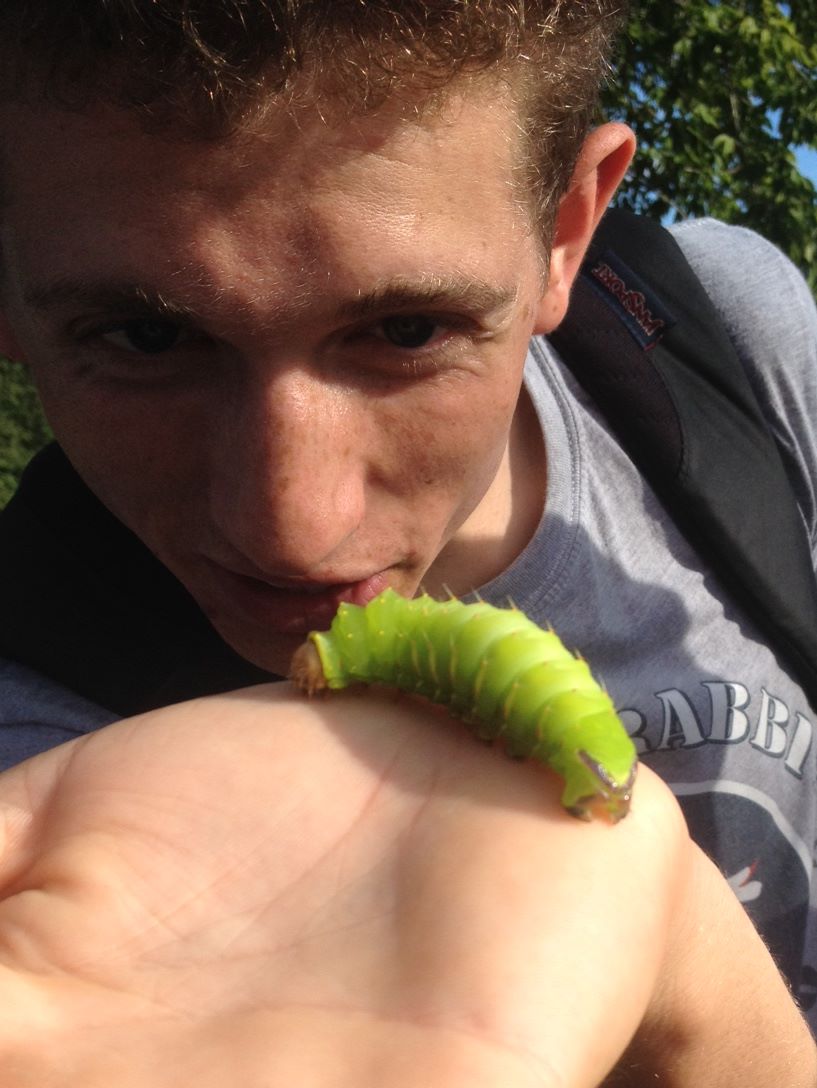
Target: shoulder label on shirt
point(639, 308)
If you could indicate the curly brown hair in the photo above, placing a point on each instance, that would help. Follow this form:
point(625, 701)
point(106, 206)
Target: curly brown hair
point(205, 65)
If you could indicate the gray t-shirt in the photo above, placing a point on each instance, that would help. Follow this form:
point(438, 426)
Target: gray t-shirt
point(709, 706)
point(37, 714)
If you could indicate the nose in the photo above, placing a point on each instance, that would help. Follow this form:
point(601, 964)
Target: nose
point(288, 475)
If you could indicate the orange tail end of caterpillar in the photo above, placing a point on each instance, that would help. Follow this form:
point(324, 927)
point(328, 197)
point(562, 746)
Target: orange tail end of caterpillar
point(306, 671)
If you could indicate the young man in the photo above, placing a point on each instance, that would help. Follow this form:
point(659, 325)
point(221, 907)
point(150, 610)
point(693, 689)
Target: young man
point(282, 275)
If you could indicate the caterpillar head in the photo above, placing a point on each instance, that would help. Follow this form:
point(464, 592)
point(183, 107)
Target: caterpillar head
point(598, 792)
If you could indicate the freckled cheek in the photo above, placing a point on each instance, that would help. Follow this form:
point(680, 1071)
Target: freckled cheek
point(450, 443)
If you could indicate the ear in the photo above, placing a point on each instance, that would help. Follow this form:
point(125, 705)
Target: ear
point(602, 163)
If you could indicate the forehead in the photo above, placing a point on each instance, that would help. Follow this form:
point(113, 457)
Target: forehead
point(299, 195)
point(96, 161)
point(39, 140)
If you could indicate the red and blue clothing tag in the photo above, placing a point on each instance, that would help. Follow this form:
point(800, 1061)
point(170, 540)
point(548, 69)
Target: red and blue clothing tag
point(639, 308)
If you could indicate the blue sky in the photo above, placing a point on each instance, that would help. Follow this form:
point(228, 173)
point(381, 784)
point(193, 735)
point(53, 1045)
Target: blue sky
point(807, 161)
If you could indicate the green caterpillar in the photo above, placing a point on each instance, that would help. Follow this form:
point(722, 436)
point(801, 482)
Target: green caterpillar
point(498, 671)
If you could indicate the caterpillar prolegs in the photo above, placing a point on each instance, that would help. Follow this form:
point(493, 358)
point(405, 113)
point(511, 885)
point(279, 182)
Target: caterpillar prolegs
point(498, 671)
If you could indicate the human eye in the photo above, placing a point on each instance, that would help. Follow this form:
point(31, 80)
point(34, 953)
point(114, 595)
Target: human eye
point(142, 336)
point(416, 343)
point(409, 331)
point(137, 349)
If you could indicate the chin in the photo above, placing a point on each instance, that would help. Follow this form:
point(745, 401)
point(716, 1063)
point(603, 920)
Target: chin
point(271, 655)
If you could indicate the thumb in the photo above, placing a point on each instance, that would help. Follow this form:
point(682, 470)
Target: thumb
point(26, 792)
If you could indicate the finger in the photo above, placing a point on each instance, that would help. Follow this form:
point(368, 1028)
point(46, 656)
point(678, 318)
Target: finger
point(25, 794)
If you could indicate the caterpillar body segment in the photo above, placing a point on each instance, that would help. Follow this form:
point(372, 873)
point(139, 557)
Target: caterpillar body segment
point(498, 671)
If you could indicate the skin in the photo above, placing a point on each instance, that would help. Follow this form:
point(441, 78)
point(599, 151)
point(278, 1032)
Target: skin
point(288, 451)
point(206, 894)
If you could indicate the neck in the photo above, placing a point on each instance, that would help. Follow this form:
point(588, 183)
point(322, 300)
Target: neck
point(509, 513)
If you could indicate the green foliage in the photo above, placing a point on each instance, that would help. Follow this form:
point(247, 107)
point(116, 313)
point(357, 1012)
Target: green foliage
point(22, 428)
point(720, 96)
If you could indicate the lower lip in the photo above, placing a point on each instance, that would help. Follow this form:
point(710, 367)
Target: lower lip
point(291, 611)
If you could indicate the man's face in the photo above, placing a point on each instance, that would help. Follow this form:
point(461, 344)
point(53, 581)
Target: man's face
point(289, 361)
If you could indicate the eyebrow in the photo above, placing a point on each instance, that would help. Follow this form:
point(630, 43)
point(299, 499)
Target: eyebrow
point(459, 292)
point(109, 296)
point(474, 295)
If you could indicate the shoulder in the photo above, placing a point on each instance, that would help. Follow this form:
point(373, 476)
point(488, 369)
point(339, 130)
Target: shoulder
point(770, 314)
point(760, 294)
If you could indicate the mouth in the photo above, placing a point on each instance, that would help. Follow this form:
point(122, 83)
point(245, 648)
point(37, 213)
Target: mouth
point(292, 607)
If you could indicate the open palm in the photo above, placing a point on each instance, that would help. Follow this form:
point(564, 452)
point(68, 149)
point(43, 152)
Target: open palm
point(256, 890)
